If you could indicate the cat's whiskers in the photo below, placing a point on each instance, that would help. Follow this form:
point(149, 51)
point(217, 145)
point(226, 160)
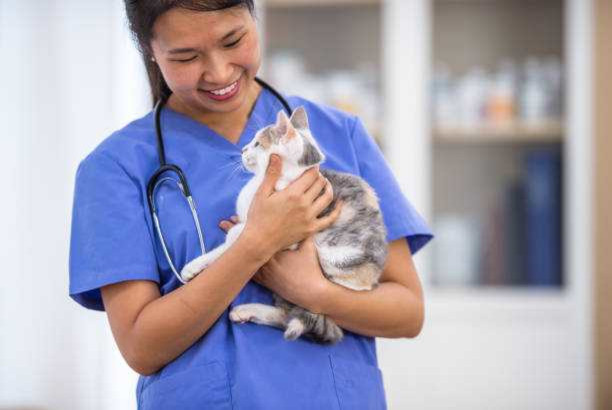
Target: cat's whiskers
point(230, 164)
point(238, 167)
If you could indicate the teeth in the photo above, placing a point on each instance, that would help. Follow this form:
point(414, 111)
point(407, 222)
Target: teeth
point(225, 90)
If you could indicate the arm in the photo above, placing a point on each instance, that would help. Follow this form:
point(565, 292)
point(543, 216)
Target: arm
point(151, 330)
point(394, 309)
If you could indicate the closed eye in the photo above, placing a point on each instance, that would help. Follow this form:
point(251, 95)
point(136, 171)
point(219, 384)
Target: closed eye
point(186, 60)
point(256, 144)
point(234, 43)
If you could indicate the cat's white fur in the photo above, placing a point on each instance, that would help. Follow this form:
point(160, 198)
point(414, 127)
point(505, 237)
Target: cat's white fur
point(256, 160)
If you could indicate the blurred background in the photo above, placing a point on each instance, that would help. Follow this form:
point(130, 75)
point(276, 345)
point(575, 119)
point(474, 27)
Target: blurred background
point(492, 115)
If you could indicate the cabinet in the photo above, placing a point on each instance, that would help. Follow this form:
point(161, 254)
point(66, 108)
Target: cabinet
point(328, 52)
point(489, 342)
point(498, 131)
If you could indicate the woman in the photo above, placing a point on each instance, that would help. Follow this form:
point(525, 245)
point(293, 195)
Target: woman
point(202, 57)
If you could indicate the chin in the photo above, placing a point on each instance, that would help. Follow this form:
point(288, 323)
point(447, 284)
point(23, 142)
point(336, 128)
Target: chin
point(206, 105)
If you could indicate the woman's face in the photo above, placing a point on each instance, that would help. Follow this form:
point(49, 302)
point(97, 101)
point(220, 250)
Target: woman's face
point(208, 59)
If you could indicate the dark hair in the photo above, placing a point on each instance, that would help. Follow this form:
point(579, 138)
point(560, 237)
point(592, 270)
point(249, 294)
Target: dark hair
point(142, 14)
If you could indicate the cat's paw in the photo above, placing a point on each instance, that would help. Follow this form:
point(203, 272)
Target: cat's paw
point(295, 329)
point(241, 314)
point(188, 272)
point(193, 268)
point(334, 334)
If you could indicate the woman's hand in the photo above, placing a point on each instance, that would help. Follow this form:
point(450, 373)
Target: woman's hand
point(295, 276)
point(277, 220)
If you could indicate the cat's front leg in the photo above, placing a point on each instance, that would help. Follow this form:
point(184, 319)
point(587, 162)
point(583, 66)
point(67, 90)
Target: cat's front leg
point(200, 263)
point(197, 265)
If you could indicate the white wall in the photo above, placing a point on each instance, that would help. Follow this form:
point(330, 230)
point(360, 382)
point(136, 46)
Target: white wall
point(70, 77)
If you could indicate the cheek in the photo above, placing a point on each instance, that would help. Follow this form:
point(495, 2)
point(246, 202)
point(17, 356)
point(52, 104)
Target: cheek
point(179, 78)
point(249, 56)
point(262, 161)
point(293, 149)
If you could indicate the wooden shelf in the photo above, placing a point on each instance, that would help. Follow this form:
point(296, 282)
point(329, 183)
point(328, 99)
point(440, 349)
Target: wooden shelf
point(318, 3)
point(514, 132)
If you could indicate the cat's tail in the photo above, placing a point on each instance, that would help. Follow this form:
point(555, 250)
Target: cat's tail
point(318, 327)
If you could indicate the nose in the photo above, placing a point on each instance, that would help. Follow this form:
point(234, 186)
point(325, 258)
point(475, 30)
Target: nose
point(218, 71)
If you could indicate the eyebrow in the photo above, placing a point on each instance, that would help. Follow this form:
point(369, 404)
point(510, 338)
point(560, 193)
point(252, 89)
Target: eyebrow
point(191, 49)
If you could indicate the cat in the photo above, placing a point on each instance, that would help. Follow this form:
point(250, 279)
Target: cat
point(352, 251)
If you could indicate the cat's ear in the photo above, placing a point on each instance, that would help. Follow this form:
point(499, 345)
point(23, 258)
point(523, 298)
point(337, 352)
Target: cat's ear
point(290, 133)
point(299, 119)
point(282, 123)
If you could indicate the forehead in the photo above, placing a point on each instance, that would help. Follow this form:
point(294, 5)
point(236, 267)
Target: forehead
point(266, 137)
point(180, 27)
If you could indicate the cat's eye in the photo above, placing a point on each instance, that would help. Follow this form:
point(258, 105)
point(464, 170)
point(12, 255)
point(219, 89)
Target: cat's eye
point(256, 144)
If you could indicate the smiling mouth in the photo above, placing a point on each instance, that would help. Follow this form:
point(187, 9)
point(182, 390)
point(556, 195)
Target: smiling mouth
point(225, 92)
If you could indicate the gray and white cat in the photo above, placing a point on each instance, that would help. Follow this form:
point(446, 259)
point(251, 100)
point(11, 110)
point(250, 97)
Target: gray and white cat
point(352, 251)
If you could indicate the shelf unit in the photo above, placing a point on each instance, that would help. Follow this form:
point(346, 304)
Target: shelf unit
point(511, 132)
point(479, 169)
point(301, 54)
point(501, 347)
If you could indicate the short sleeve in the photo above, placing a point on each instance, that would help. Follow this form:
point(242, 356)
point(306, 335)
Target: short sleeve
point(110, 241)
point(400, 217)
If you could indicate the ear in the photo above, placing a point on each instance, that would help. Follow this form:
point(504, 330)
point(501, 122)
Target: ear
point(299, 119)
point(289, 135)
point(282, 123)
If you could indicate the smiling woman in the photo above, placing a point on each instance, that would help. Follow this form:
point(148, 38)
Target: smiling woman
point(202, 58)
point(210, 72)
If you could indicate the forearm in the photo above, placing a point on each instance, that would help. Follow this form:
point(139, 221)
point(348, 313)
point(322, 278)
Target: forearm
point(391, 310)
point(168, 326)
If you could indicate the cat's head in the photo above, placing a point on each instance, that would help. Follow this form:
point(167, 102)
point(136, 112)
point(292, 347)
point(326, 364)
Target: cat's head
point(290, 138)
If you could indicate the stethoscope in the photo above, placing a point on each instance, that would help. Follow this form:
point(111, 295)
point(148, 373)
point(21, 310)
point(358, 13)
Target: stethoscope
point(156, 179)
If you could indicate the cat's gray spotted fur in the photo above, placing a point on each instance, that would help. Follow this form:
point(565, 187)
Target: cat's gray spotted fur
point(352, 251)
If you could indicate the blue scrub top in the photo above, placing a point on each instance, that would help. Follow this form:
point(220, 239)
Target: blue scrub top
point(232, 366)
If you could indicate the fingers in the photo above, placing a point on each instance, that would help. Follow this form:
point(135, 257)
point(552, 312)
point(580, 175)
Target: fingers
point(315, 189)
point(272, 174)
point(328, 220)
point(324, 200)
point(227, 225)
point(305, 181)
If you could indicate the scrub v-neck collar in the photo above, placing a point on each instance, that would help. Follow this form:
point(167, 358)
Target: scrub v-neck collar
point(258, 118)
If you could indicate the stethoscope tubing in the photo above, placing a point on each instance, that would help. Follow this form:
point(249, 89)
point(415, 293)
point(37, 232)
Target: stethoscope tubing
point(164, 167)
